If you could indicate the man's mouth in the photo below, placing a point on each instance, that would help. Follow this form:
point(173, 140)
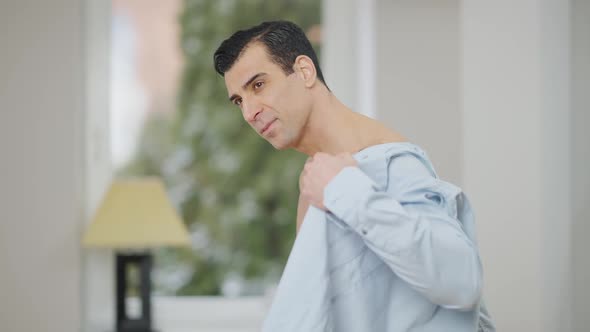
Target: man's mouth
point(267, 126)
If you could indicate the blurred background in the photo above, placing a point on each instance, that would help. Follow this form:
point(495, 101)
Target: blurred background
point(497, 93)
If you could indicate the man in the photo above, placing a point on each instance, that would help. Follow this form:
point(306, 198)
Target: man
point(383, 244)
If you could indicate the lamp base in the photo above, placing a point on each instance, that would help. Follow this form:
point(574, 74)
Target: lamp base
point(134, 326)
point(143, 261)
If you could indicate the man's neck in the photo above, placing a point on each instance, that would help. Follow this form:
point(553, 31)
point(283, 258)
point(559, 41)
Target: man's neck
point(334, 128)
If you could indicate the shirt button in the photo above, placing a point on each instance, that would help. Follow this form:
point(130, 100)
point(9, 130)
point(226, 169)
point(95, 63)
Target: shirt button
point(364, 231)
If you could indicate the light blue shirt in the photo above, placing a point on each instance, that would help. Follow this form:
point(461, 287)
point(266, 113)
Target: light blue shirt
point(397, 252)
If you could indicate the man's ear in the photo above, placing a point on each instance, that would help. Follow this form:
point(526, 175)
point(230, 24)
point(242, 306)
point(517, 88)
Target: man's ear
point(305, 70)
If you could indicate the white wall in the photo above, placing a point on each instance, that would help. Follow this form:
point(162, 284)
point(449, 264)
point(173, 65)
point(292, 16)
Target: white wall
point(516, 138)
point(41, 165)
point(580, 151)
point(418, 65)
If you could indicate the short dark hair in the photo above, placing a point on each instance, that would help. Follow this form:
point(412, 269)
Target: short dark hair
point(284, 41)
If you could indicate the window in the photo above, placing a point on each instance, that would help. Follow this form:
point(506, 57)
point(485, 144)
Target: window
point(170, 117)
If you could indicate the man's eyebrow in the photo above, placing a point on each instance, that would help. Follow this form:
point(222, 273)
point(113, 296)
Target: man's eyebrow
point(234, 96)
point(252, 80)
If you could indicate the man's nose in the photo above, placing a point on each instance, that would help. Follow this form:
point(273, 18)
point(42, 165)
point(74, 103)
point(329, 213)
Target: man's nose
point(251, 110)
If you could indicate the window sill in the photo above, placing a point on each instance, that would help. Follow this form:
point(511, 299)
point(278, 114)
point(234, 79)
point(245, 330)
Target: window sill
point(206, 313)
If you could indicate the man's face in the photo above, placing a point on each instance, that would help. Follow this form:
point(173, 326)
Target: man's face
point(274, 104)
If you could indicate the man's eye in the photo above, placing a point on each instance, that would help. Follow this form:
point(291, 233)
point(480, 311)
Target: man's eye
point(238, 101)
point(258, 85)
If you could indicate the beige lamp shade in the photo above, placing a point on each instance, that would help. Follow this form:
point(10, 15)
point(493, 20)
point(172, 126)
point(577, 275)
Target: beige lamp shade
point(136, 213)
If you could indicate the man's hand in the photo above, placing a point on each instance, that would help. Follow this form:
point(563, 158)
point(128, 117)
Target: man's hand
point(318, 172)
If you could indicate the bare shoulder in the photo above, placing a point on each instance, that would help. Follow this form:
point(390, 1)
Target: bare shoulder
point(380, 133)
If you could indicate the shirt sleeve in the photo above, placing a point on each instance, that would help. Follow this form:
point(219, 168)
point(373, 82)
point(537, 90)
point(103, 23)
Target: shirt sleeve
point(413, 230)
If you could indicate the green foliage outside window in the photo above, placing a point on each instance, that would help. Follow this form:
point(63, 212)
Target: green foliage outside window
point(237, 195)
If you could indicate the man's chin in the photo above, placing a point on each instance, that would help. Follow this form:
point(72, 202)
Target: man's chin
point(279, 145)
